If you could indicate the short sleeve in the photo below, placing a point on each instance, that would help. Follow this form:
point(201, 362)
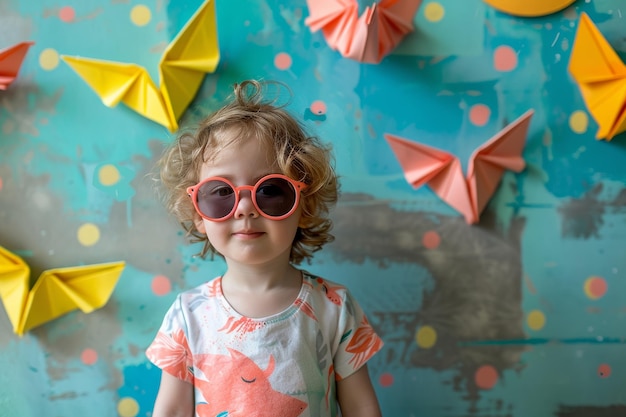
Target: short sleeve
point(170, 348)
point(359, 342)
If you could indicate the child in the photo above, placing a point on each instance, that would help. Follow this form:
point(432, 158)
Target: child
point(265, 338)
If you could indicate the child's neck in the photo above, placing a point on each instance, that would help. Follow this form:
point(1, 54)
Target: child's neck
point(258, 292)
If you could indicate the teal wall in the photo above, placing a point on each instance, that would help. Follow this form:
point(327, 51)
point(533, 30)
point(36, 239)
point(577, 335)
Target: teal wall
point(486, 320)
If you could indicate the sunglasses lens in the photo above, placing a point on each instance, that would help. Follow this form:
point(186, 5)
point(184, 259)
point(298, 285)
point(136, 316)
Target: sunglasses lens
point(216, 199)
point(275, 197)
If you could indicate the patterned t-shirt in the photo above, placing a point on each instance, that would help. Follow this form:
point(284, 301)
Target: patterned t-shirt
point(283, 365)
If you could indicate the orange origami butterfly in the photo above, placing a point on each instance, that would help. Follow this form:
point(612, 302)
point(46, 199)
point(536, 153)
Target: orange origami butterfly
point(601, 77)
point(11, 61)
point(442, 171)
point(368, 38)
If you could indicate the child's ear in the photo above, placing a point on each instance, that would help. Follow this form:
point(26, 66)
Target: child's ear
point(199, 224)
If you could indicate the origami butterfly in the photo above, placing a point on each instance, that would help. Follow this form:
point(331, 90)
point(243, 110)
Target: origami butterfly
point(193, 53)
point(442, 171)
point(11, 61)
point(56, 292)
point(601, 78)
point(368, 38)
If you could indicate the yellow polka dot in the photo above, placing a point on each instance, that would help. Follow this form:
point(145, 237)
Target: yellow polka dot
point(536, 320)
point(426, 337)
point(578, 121)
point(434, 11)
point(49, 59)
point(108, 175)
point(140, 15)
point(127, 407)
point(88, 234)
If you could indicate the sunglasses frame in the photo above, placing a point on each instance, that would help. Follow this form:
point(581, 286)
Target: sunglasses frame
point(298, 186)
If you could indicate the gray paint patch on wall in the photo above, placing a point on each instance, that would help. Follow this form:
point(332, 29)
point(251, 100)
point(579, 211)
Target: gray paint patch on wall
point(477, 278)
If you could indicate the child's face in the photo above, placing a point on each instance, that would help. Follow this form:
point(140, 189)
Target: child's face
point(247, 237)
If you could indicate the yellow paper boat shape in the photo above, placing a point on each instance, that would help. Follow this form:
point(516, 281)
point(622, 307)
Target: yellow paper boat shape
point(193, 53)
point(529, 8)
point(56, 292)
point(601, 78)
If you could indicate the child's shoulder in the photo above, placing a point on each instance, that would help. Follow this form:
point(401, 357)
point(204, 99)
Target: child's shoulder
point(330, 290)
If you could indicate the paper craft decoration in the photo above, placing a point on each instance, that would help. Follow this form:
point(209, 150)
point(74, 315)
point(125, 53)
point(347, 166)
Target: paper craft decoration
point(11, 61)
point(601, 78)
point(529, 8)
point(442, 171)
point(56, 292)
point(193, 53)
point(366, 38)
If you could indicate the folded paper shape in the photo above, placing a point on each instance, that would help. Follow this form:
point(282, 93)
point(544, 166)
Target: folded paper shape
point(11, 61)
point(193, 53)
point(56, 292)
point(366, 38)
point(601, 78)
point(442, 171)
point(529, 8)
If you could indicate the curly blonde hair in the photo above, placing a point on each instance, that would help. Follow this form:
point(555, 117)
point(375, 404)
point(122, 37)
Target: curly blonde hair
point(249, 116)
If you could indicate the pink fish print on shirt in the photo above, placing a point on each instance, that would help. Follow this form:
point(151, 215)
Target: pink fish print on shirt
point(237, 387)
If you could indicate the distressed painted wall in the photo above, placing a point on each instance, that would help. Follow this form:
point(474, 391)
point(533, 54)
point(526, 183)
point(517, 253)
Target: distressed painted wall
point(521, 315)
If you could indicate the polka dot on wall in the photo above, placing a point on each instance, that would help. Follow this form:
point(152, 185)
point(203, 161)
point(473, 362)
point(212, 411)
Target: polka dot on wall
point(536, 320)
point(604, 371)
point(161, 285)
point(486, 377)
point(49, 59)
point(88, 234)
point(318, 107)
point(504, 58)
point(89, 356)
point(434, 11)
point(108, 175)
point(67, 14)
point(283, 61)
point(595, 287)
point(140, 15)
point(426, 337)
point(479, 114)
point(431, 239)
point(386, 380)
point(578, 121)
point(127, 407)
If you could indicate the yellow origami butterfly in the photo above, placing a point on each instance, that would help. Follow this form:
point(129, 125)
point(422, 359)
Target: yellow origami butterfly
point(56, 292)
point(193, 53)
point(601, 77)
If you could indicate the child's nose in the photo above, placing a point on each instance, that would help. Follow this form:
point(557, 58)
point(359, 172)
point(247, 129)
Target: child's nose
point(245, 207)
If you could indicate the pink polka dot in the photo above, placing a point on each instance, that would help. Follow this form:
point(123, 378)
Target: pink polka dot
point(282, 61)
point(67, 14)
point(89, 356)
point(486, 377)
point(318, 107)
point(479, 114)
point(604, 371)
point(597, 287)
point(504, 59)
point(161, 285)
point(1, 184)
point(431, 239)
point(386, 380)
